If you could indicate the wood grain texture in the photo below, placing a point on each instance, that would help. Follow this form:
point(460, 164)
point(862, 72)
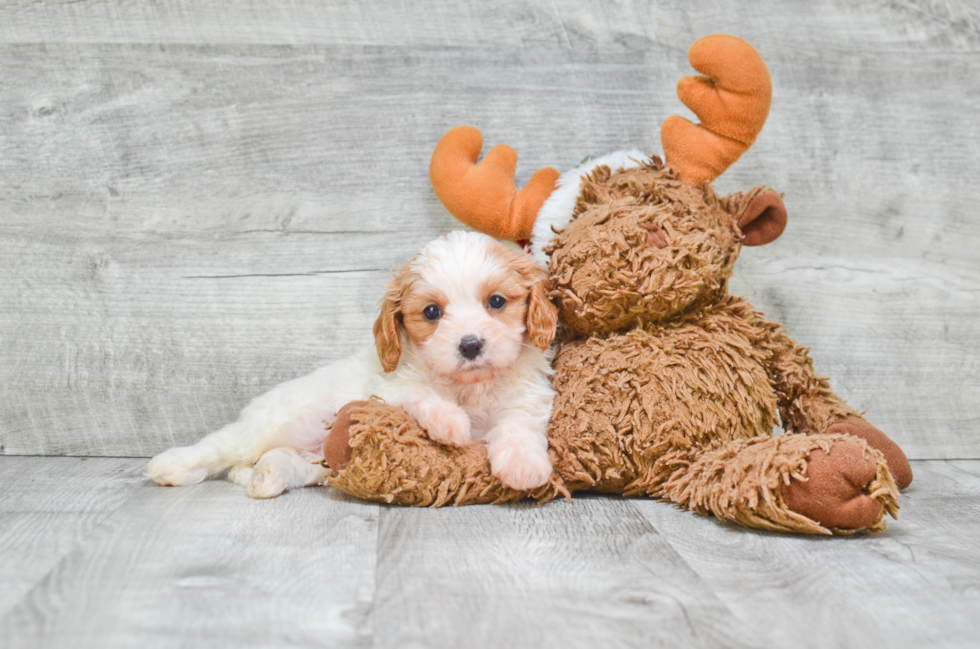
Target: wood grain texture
point(205, 566)
point(626, 24)
point(199, 200)
point(590, 573)
point(915, 585)
point(48, 507)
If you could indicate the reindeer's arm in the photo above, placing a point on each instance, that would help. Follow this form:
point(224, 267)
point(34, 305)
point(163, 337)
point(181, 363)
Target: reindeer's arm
point(809, 406)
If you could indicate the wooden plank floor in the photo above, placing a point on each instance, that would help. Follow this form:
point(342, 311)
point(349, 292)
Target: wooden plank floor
point(93, 555)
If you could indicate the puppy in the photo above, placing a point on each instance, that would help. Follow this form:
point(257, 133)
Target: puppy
point(462, 345)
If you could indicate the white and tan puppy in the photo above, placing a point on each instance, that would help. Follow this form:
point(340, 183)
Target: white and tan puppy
point(462, 344)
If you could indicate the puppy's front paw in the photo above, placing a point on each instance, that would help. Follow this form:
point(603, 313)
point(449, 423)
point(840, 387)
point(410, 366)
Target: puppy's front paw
point(446, 424)
point(176, 468)
point(520, 464)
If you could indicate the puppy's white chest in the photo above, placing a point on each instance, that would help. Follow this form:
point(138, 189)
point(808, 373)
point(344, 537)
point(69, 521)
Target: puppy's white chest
point(479, 402)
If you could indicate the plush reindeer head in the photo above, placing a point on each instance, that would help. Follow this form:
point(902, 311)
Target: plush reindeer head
point(648, 241)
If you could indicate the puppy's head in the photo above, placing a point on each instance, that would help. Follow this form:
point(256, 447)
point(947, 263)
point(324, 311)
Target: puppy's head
point(467, 305)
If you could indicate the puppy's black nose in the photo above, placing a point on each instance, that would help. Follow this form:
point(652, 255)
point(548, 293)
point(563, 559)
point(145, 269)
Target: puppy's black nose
point(470, 347)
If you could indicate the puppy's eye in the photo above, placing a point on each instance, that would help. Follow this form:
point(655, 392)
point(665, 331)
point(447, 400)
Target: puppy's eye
point(432, 312)
point(496, 302)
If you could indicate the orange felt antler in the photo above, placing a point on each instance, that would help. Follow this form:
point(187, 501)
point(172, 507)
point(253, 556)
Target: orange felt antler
point(732, 102)
point(483, 196)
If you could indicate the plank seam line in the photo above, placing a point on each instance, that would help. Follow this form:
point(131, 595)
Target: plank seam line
point(64, 556)
point(309, 274)
point(649, 524)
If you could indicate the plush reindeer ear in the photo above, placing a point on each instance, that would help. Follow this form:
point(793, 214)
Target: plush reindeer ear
point(387, 328)
point(763, 220)
point(759, 212)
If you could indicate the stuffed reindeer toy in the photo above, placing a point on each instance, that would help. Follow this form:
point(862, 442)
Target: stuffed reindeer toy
point(667, 385)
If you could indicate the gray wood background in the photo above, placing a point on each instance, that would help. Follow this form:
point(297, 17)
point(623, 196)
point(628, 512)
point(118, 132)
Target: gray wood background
point(200, 199)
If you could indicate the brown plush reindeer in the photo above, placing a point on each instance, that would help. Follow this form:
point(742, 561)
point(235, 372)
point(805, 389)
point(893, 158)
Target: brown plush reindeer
point(667, 385)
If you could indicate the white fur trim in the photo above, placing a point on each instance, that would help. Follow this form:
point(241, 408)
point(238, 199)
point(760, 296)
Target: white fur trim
point(557, 209)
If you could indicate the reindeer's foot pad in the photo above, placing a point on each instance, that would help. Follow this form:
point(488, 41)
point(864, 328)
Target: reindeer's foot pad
point(763, 482)
point(835, 491)
point(898, 464)
point(378, 452)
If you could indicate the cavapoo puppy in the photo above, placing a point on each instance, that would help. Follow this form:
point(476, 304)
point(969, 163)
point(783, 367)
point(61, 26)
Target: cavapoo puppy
point(462, 345)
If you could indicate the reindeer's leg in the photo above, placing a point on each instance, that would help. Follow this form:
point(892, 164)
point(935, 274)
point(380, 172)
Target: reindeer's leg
point(808, 405)
point(814, 484)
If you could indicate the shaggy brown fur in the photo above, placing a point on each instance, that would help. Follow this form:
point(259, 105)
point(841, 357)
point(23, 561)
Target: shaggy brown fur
point(667, 386)
point(390, 459)
point(607, 278)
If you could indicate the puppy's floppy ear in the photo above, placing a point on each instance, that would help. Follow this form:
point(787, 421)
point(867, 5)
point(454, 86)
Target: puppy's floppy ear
point(542, 315)
point(387, 334)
